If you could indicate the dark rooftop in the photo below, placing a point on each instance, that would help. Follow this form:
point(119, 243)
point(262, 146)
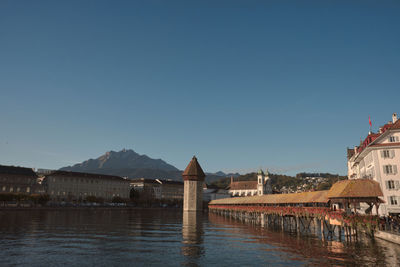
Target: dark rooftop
point(86, 175)
point(16, 170)
point(193, 171)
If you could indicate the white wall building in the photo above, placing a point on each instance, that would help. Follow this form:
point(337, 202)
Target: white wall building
point(251, 188)
point(378, 158)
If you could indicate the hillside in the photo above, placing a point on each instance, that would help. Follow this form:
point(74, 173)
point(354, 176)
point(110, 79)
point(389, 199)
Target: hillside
point(289, 184)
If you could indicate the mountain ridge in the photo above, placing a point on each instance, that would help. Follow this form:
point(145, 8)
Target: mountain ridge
point(128, 163)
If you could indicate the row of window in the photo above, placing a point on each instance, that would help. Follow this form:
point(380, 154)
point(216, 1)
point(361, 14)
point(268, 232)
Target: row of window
point(77, 180)
point(18, 179)
point(59, 193)
point(17, 190)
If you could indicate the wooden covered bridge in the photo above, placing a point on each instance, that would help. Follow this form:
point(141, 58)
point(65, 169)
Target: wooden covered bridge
point(330, 213)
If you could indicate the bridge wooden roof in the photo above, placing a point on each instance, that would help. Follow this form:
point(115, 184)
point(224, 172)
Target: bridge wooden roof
point(304, 197)
point(358, 188)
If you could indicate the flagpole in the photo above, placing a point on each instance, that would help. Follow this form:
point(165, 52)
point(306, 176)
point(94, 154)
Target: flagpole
point(370, 124)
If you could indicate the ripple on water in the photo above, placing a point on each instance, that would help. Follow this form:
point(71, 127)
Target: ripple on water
point(163, 238)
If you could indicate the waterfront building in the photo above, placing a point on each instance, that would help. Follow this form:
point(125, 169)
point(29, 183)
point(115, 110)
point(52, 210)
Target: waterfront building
point(148, 188)
point(378, 158)
point(193, 177)
point(212, 193)
point(158, 188)
point(171, 190)
point(76, 186)
point(259, 187)
point(17, 180)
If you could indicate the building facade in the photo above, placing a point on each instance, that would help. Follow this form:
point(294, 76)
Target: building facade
point(75, 186)
point(251, 188)
point(158, 189)
point(17, 180)
point(212, 193)
point(378, 158)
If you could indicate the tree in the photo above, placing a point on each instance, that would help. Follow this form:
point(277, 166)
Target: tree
point(134, 194)
point(118, 200)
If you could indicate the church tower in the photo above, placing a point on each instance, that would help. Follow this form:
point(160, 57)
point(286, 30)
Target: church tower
point(193, 178)
point(260, 183)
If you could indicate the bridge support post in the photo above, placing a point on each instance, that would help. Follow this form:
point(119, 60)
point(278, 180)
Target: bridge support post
point(322, 229)
point(262, 219)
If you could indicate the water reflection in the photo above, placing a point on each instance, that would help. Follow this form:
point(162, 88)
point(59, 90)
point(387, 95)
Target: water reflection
point(123, 237)
point(192, 236)
point(316, 252)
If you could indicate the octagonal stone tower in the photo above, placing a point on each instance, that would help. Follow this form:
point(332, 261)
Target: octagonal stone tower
point(193, 178)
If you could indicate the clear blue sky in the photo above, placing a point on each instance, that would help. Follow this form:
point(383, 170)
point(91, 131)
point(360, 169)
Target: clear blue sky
point(242, 84)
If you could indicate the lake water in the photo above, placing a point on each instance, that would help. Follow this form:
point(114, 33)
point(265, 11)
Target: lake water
point(123, 237)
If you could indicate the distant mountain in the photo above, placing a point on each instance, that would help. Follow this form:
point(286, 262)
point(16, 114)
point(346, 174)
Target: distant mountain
point(124, 161)
point(130, 164)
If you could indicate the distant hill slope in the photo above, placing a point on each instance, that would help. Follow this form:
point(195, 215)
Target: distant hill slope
point(130, 164)
point(124, 159)
point(280, 181)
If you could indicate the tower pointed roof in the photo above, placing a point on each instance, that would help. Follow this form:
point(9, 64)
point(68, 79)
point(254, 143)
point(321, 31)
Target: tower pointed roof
point(193, 171)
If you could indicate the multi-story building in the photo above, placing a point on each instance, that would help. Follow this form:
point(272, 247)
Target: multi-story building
point(159, 189)
point(171, 190)
point(17, 180)
point(251, 188)
point(75, 186)
point(378, 158)
point(212, 193)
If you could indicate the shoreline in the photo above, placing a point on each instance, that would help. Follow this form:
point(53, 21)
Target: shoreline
point(86, 208)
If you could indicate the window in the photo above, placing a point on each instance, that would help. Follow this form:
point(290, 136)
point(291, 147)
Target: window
point(389, 169)
point(11, 189)
point(393, 139)
point(385, 154)
point(390, 184)
point(4, 188)
point(393, 200)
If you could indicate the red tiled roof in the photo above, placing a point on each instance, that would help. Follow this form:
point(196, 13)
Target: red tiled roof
point(243, 185)
point(193, 171)
point(396, 125)
point(371, 137)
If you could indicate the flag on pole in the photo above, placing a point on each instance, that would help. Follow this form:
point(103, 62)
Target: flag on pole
point(370, 123)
